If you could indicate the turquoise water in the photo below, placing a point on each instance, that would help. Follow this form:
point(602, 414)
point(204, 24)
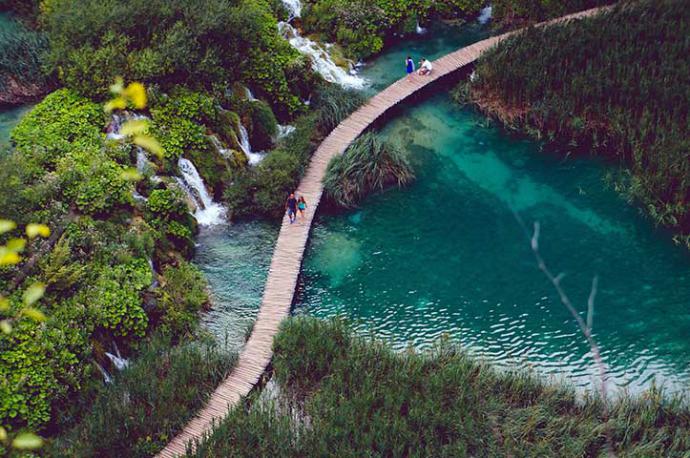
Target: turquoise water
point(9, 116)
point(448, 255)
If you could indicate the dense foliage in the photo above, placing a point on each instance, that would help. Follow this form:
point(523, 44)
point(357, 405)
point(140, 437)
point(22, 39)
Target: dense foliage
point(363, 27)
point(22, 53)
point(615, 85)
point(352, 397)
point(109, 267)
point(181, 42)
point(148, 403)
point(368, 165)
point(518, 12)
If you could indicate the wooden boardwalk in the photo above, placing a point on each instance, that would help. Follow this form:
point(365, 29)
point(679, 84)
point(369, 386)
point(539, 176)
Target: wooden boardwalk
point(292, 240)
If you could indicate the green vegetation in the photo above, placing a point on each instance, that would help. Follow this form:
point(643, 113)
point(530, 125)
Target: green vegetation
point(171, 43)
point(22, 53)
point(359, 398)
point(606, 86)
point(362, 28)
point(147, 403)
point(368, 165)
point(96, 267)
point(519, 12)
point(262, 190)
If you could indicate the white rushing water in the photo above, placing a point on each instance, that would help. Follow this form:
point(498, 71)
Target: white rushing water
point(420, 30)
point(208, 212)
point(294, 8)
point(485, 14)
point(284, 131)
point(253, 157)
point(321, 61)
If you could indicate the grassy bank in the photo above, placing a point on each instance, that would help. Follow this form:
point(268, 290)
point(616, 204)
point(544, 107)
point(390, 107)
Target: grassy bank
point(615, 86)
point(359, 398)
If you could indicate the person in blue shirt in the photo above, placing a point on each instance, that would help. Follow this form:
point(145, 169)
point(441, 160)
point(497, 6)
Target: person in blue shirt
point(409, 66)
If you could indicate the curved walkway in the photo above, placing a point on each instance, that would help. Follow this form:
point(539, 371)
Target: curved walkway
point(292, 240)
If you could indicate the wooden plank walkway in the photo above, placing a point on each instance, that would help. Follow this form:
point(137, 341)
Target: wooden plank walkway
point(292, 240)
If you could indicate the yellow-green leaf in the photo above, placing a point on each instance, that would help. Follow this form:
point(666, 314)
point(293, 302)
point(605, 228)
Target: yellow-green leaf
point(6, 225)
point(4, 304)
point(5, 326)
point(135, 126)
point(27, 441)
point(33, 293)
point(136, 93)
point(149, 143)
point(3, 434)
point(34, 314)
point(33, 230)
point(131, 174)
point(8, 258)
point(15, 245)
point(118, 103)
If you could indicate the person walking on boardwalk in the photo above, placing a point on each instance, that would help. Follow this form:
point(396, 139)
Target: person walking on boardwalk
point(425, 67)
point(409, 66)
point(301, 206)
point(291, 207)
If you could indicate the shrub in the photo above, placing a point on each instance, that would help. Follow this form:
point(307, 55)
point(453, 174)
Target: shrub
point(148, 403)
point(116, 298)
point(334, 103)
point(21, 59)
point(368, 165)
point(264, 126)
point(181, 296)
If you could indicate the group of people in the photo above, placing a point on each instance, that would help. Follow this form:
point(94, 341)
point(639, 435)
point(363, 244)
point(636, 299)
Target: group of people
point(425, 66)
point(295, 204)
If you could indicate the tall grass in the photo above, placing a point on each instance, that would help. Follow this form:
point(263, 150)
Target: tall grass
point(359, 398)
point(368, 165)
point(615, 85)
point(22, 54)
point(333, 104)
point(148, 403)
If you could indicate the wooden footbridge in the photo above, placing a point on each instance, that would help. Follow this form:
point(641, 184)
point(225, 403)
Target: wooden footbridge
point(292, 240)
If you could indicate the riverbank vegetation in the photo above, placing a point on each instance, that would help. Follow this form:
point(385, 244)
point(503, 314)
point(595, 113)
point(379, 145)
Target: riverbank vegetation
point(605, 86)
point(518, 13)
point(347, 396)
point(363, 28)
point(368, 165)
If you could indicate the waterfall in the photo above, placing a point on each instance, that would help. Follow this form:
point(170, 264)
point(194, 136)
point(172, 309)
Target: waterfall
point(321, 61)
point(485, 14)
point(224, 152)
point(106, 376)
point(249, 95)
point(208, 212)
point(113, 130)
point(252, 157)
point(294, 8)
point(420, 30)
point(284, 131)
point(118, 361)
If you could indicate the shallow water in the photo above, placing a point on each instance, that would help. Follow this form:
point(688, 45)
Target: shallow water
point(449, 256)
point(9, 116)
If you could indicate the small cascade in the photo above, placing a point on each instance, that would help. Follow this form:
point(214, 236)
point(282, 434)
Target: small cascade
point(218, 146)
point(249, 95)
point(294, 8)
point(419, 29)
point(107, 378)
point(208, 212)
point(284, 131)
point(253, 157)
point(485, 14)
point(118, 361)
point(154, 278)
point(113, 129)
point(321, 61)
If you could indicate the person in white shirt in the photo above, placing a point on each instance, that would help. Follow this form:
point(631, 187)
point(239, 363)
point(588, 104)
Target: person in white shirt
point(425, 67)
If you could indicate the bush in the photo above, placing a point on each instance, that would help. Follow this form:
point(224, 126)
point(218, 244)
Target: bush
point(368, 165)
point(21, 60)
point(181, 296)
point(148, 403)
point(171, 43)
point(264, 126)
